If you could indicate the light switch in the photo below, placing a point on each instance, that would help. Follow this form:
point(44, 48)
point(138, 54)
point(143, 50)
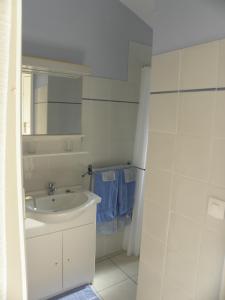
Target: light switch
point(216, 208)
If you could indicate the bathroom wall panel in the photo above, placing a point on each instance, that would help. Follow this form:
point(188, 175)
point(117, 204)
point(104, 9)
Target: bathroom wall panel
point(165, 71)
point(163, 112)
point(194, 241)
point(221, 75)
point(199, 66)
point(219, 122)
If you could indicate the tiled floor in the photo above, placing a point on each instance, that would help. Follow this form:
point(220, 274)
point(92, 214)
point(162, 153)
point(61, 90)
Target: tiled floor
point(116, 278)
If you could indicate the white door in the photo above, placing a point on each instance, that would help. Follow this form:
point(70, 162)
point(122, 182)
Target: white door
point(79, 256)
point(44, 265)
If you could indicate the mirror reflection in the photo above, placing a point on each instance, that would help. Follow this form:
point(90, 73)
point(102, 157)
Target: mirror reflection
point(51, 104)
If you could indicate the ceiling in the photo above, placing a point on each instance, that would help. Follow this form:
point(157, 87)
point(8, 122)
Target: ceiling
point(143, 8)
point(181, 23)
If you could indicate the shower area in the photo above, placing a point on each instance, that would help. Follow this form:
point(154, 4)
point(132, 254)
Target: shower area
point(116, 129)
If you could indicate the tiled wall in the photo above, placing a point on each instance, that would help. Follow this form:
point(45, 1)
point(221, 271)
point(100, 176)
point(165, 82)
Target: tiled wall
point(109, 112)
point(183, 249)
point(108, 121)
point(108, 127)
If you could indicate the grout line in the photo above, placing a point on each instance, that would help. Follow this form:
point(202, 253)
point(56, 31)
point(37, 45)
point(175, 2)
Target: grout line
point(172, 172)
point(110, 286)
point(165, 92)
point(118, 267)
point(58, 102)
point(114, 101)
point(210, 158)
point(103, 258)
point(214, 89)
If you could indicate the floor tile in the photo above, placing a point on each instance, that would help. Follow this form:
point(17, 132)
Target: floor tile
point(125, 290)
point(128, 264)
point(106, 275)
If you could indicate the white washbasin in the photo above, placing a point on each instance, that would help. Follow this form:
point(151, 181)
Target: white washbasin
point(60, 207)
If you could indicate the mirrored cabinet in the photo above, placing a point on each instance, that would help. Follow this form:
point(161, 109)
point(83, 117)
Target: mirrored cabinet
point(51, 97)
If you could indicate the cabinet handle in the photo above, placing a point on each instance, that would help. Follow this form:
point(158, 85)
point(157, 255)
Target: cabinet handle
point(56, 263)
point(68, 259)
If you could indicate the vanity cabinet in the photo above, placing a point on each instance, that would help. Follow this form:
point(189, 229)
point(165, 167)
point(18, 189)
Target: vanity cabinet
point(44, 265)
point(60, 261)
point(78, 246)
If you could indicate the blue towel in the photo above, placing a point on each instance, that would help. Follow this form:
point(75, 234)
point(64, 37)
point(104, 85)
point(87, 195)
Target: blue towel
point(126, 192)
point(108, 191)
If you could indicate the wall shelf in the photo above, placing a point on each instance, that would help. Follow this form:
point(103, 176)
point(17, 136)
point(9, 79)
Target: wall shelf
point(37, 155)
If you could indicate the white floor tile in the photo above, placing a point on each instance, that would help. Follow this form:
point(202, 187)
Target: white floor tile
point(106, 275)
point(125, 290)
point(128, 264)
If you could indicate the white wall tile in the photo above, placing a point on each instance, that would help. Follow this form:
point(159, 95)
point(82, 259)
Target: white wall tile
point(161, 151)
point(184, 237)
point(189, 198)
point(199, 66)
point(108, 89)
point(218, 163)
point(193, 260)
point(195, 113)
point(175, 292)
point(163, 112)
point(221, 77)
point(212, 224)
point(181, 271)
point(153, 254)
point(211, 265)
point(192, 156)
point(155, 221)
point(149, 283)
point(165, 71)
point(96, 88)
point(153, 188)
point(219, 122)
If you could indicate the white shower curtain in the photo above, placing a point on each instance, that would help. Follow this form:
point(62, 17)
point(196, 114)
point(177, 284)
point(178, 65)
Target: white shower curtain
point(12, 253)
point(132, 236)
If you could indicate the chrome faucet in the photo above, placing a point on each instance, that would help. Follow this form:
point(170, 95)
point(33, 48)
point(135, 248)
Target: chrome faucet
point(51, 188)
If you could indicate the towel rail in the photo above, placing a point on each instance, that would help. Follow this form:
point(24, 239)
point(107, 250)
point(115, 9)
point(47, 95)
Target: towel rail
point(91, 170)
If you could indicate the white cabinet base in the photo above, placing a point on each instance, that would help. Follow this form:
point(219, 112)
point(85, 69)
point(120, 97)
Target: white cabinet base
point(60, 261)
point(78, 260)
point(44, 265)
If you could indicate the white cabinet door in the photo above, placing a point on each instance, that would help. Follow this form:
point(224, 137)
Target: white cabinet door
point(44, 265)
point(79, 256)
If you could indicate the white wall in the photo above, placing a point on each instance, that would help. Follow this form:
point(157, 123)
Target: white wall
point(183, 248)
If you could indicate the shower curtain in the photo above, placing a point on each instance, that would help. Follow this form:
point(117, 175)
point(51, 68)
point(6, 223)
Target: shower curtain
point(12, 253)
point(132, 236)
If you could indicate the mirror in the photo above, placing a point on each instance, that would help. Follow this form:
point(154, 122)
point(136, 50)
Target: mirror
point(51, 103)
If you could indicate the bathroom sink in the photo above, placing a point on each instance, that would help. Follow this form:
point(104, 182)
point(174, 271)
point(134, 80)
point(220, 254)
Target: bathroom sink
point(60, 207)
